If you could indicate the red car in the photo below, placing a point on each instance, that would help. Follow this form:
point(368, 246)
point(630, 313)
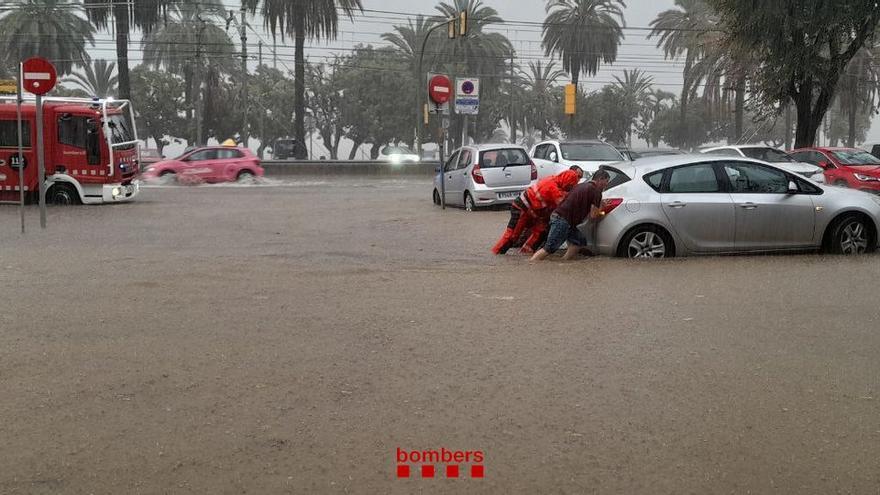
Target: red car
point(208, 164)
point(845, 167)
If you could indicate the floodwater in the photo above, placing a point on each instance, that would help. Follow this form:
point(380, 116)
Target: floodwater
point(289, 337)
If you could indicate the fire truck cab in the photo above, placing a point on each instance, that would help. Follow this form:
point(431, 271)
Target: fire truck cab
point(91, 150)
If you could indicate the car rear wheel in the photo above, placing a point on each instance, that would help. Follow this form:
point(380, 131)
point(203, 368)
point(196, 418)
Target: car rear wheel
point(436, 197)
point(646, 242)
point(852, 235)
point(469, 204)
point(62, 195)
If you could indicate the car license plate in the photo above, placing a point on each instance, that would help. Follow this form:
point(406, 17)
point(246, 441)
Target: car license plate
point(509, 195)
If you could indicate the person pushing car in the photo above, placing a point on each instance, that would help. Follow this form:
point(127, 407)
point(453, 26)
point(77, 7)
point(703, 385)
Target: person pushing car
point(583, 201)
point(532, 209)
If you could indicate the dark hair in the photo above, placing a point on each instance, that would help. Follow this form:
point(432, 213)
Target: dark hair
point(601, 174)
point(577, 170)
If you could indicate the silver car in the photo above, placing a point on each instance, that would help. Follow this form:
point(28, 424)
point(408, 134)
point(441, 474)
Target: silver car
point(485, 175)
point(702, 204)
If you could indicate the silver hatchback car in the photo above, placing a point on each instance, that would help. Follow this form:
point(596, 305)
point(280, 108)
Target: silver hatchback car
point(485, 175)
point(699, 204)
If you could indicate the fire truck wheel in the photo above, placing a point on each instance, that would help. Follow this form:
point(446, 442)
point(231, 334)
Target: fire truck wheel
point(62, 195)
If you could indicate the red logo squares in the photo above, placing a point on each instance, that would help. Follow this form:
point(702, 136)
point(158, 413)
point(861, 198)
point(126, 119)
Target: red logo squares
point(452, 471)
point(427, 470)
point(402, 471)
point(477, 471)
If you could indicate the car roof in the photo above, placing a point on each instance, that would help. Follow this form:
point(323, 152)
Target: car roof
point(494, 146)
point(740, 147)
point(658, 162)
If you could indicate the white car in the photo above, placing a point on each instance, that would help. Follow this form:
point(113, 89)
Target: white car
point(770, 155)
point(552, 157)
point(398, 154)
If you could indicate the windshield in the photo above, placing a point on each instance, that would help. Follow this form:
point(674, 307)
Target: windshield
point(504, 158)
point(120, 131)
point(771, 155)
point(590, 152)
point(855, 157)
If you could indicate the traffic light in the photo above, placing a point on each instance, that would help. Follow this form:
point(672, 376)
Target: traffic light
point(463, 23)
point(570, 99)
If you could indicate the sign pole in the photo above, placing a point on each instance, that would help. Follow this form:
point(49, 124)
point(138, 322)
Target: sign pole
point(20, 148)
point(41, 165)
point(442, 146)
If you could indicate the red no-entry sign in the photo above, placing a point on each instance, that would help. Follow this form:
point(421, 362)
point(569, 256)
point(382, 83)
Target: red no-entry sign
point(38, 75)
point(440, 89)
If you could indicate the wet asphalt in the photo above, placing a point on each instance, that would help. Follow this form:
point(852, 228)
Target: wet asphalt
point(289, 337)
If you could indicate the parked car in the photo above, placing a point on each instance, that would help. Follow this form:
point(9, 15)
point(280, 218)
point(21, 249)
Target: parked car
point(770, 155)
point(208, 164)
point(845, 167)
point(635, 154)
point(284, 149)
point(552, 157)
point(398, 154)
point(875, 150)
point(704, 204)
point(485, 175)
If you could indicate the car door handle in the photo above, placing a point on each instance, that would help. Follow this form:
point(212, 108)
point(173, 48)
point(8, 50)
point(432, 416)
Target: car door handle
point(677, 204)
point(748, 206)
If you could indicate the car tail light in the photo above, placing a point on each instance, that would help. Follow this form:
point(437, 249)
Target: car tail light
point(478, 174)
point(534, 170)
point(608, 205)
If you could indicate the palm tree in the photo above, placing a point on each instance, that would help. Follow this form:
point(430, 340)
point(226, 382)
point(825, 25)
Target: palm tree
point(54, 29)
point(656, 103)
point(634, 90)
point(192, 45)
point(143, 14)
point(486, 54)
point(541, 102)
point(97, 78)
point(584, 33)
point(301, 19)
point(683, 31)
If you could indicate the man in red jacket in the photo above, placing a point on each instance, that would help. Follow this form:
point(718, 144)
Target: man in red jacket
point(533, 208)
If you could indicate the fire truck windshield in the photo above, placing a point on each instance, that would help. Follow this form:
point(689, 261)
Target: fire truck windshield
point(120, 132)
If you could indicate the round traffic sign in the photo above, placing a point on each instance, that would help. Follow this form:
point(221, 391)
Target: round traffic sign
point(467, 87)
point(38, 75)
point(440, 89)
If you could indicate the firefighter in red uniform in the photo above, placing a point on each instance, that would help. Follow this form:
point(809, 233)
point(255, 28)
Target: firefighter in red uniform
point(533, 208)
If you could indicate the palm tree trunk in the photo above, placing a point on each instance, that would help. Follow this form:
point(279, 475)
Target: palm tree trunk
point(851, 114)
point(688, 66)
point(788, 125)
point(299, 88)
point(120, 16)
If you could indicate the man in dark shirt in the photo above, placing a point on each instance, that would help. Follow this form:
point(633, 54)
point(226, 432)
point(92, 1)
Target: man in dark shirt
point(581, 202)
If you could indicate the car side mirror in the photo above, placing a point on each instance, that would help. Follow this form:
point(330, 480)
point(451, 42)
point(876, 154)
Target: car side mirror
point(823, 165)
point(792, 187)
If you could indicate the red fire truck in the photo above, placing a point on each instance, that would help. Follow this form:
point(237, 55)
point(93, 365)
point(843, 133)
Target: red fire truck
point(91, 150)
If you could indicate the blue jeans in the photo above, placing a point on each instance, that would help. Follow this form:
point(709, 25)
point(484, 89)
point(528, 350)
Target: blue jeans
point(561, 231)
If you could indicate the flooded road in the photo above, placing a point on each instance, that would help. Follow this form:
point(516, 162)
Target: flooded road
point(288, 337)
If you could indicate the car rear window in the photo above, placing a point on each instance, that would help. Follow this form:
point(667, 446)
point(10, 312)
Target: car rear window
point(617, 176)
point(510, 157)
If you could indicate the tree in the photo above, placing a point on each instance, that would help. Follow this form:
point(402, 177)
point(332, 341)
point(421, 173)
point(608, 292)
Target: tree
point(272, 91)
point(657, 102)
point(540, 101)
point(192, 45)
point(144, 14)
point(684, 31)
point(159, 98)
point(802, 47)
point(96, 79)
point(301, 19)
point(54, 29)
point(858, 90)
point(634, 91)
point(584, 33)
point(368, 116)
point(325, 102)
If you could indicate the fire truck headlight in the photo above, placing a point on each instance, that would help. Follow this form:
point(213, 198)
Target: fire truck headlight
point(116, 192)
